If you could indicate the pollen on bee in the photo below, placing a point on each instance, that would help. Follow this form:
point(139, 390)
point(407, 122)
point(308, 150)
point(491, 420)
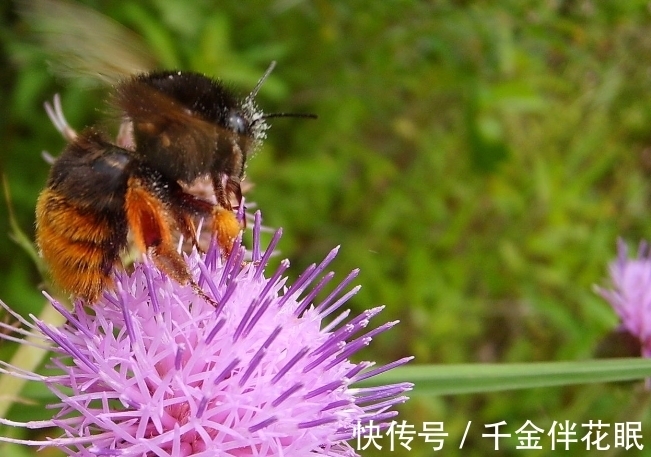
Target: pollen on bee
point(226, 227)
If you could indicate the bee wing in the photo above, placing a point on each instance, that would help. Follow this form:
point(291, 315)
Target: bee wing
point(154, 112)
point(84, 42)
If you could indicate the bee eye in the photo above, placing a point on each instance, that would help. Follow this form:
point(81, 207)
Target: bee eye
point(237, 123)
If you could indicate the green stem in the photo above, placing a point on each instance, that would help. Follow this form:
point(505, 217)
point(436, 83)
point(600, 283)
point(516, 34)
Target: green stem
point(28, 357)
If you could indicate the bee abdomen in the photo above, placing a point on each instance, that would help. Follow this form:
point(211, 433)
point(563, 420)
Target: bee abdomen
point(79, 246)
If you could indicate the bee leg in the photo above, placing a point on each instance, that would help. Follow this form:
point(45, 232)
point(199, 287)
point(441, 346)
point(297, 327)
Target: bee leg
point(149, 221)
point(185, 206)
point(225, 225)
point(188, 228)
point(170, 261)
point(233, 188)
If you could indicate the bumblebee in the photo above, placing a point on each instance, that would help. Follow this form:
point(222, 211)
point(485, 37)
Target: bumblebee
point(184, 126)
point(180, 127)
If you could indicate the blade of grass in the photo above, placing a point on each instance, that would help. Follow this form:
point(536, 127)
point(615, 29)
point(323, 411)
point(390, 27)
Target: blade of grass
point(475, 378)
point(17, 233)
point(27, 357)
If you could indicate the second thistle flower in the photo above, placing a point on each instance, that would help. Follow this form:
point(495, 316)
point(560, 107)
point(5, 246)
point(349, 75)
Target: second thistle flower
point(630, 295)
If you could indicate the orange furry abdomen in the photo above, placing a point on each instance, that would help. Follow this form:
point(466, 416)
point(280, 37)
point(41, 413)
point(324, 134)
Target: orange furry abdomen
point(79, 247)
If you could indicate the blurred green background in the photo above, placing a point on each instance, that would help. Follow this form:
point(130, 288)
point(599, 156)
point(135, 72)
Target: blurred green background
point(477, 161)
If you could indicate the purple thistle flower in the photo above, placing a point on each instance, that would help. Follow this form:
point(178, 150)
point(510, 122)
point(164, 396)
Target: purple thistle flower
point(154, 369)
point(630, 295)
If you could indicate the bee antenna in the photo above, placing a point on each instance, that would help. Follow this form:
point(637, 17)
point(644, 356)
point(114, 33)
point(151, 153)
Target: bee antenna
point(257, 87)
point(255, 90)
point(307, 115)
point(270, 115)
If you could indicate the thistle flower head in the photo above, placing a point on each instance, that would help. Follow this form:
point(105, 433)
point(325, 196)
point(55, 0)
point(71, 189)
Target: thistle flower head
point(630, 295)
point(156, 370)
